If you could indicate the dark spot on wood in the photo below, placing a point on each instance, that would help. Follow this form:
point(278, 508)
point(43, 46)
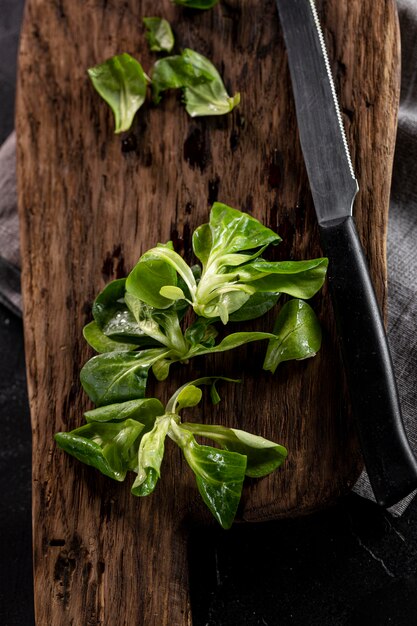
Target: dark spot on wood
point(234, 140)
point(56, 542)
point(113, 264)
point(129, 143)
point(86, 572)
point(186, 238)
point(69, 302)
point(264, 51)
point(189, 208)
point(275, 169)
point(106, 508)
point(213, 190)
point(197, 149)
point(86, 308)
point(107, 268)
point(177, 241)
point(60, 11)
point(368, 104)
point(63, 571)
point(101, 566)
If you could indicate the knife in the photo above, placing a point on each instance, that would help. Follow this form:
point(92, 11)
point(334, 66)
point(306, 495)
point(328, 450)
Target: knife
point(389, 460)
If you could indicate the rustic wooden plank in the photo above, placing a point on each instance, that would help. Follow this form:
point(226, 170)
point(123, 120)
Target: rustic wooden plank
point(90, 204)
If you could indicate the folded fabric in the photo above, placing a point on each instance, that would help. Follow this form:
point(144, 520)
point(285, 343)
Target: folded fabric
point(9, 229)
point(402, 238)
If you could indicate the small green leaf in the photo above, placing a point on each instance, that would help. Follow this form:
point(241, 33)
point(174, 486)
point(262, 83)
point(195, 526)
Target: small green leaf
point(122, 83)
point(145, 317)
point(206, 380)
point(255, 306)
point(144, 410)
point(150, 455)
point(115, 320)
point(149, 275)
point(160, 369)
point(203, 242)
point(156, 269)
point(189, 396)
point(118, 376)
point(298, 335)
point(172, 293)
point(159, 34)
point(175, 72)
point(263, 456)
point(219, 474)
point(109, 447)
point(196, 4)
point(214, 394)
point(201, 332)
point(209, 98)
point(234, 231)
point(100, 342)
point(300, 279)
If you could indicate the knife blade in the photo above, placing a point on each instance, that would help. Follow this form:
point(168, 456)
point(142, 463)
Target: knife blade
point(388, 457)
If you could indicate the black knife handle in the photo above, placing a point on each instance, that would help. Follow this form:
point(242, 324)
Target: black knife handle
point(389, 460)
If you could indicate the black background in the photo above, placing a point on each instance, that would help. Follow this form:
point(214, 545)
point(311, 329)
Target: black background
point(350, 564)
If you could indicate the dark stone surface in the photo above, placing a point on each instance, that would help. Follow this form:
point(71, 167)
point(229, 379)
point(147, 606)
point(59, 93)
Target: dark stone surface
point(352, 564)
point(10, 18)
point(16, 590)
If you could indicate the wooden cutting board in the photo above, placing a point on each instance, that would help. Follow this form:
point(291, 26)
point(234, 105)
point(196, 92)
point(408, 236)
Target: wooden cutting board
point(91, 202)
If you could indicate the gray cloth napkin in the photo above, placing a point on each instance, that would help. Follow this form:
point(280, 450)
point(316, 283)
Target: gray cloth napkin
point(402, 238)
point(9, 229)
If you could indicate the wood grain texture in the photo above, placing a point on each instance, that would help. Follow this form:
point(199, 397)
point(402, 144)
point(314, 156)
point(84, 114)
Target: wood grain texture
point(91, 202)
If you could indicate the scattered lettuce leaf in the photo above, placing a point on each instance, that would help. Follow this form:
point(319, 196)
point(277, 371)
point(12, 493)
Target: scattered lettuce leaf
point(109, 447)
point(298, 335)
point(209, 98)
point(159, 34)
point(122, 83)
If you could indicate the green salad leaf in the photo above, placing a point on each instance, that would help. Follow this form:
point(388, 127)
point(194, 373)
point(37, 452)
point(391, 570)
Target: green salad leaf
point(203, 89)
point(209, 98)
point(144, 410)
point(233, 274)
point(263, 456)
point(115, 320)
point(118, 376)
point(159, 34)
point(297, 335)
point(100, 342)
point(122, 83)
point(176, 72)
point(151, 453)
point(219, 474)
point(109, 447)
